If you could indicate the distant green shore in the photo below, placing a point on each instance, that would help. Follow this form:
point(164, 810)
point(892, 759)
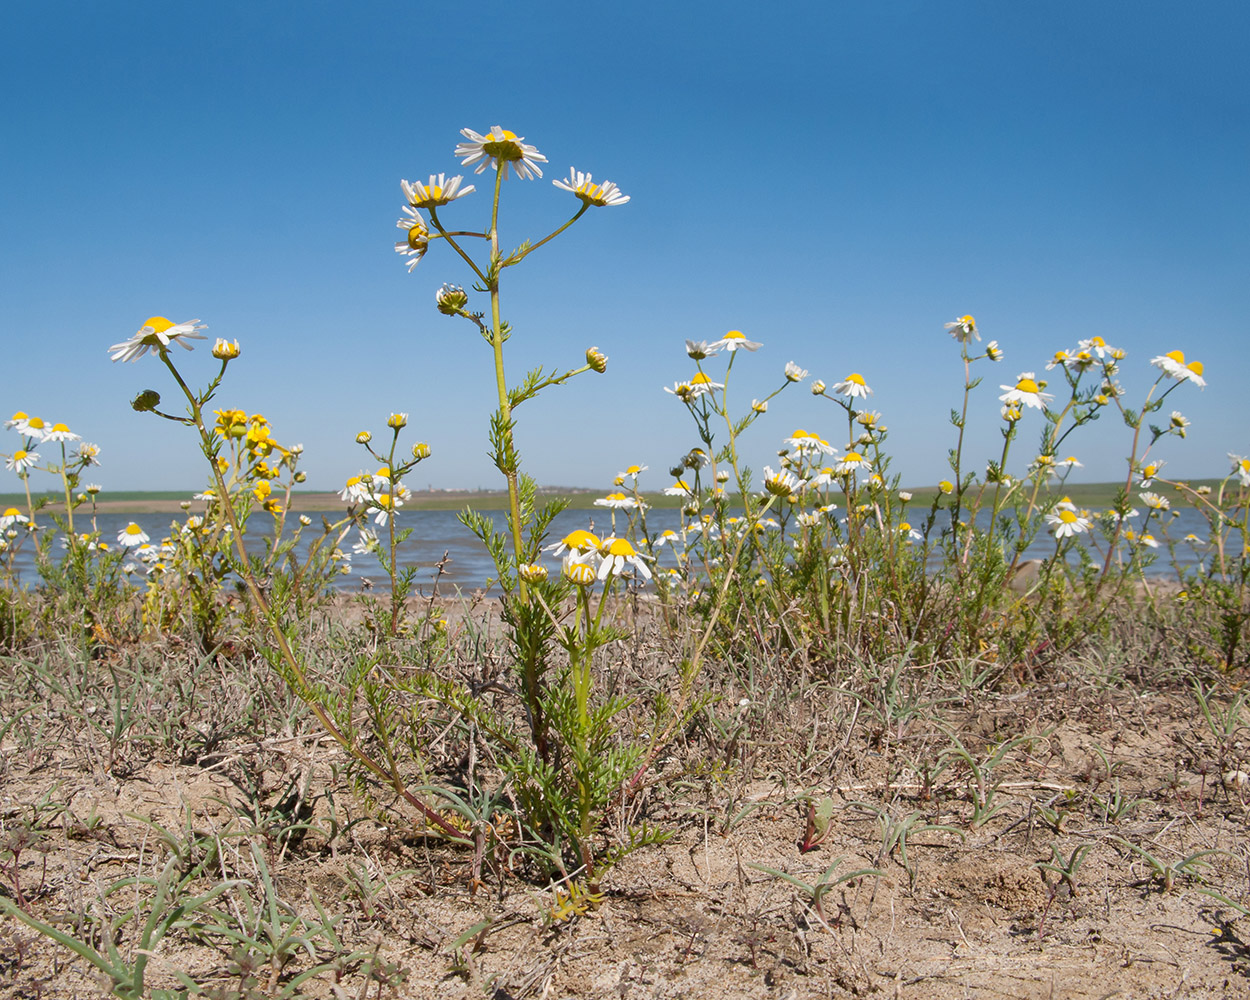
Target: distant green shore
point(1092, 495)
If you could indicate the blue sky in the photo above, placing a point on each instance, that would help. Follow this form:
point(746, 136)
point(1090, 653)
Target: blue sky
point(836, 180)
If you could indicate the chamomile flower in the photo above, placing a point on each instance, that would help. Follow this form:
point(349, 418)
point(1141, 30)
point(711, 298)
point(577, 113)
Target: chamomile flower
point(810, 519)
point(851, 461)
point(417, 240)
point(12, 516)
point(1155, 502)
point(59, 432)
point(618, 501)
point(500, 149)
point(438, 192)
point(782, 483)
point(1027, 392)
point(589, 192)
point(680, 488)
point(963, 329)
point(386, 505)
point(1241, 468)
point(909, 533)
point(579, 541)
point(809, 444)
point(532, 572)
point(993, 351)
point(853, 386)
point(1098, 346)
point(33, 427)
point(578, 571)
point(366, 542)
point(618, 554)
point(668, 537)
point(1173, 363)
point(633, 471)
point(1178, 424)
point(736, 339)
point(17, 422)
point(1148, 473)
point(1067, 522)
point(156, 334)
point(759, 406)
point(1069, 463)
point(131, 536)
point(21, 460)
point(700, 350)
point(89, 454)
point(946, 487)
point(794, 373)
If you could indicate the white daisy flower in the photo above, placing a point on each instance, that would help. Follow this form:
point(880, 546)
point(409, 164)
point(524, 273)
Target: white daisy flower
point(417, 240)
point(679, 489)
point(156, 335)
point(579, 541)
point(853, 385)
point(993, 351)
point(1098, 346)
point(781, 483)
point(1148, 473)
point(21, 460)
point(618, 501)
point(1155, 502)
point(963, 329)
point(1025, 391)
point(794, 373)
point(439, 191)
point(736, 339)
point(1067, 522)
point(131, 535)
point(17, 422)
point(590, 193)
point(31, 427)
point(698, 350)
point(1173, 363)
point(1241, 468)
point(12, 516)
point(668, 537)
point(851, 461)
point(60, 432)
point(617, 554)
point(500, 148)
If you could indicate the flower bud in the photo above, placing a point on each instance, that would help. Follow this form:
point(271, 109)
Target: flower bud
point(946, 486)
point(420, 451)
point(299, 477)
point(225, 350)
point(759, 406)
point(451, 300)
point(596, 359)
point(579, 573)
point(364, 437)
point(397, 421)
point(818, 387)
point(532, 572)
point(185, 504)
point(904, 495)
point(305, 520)
point(148, 399)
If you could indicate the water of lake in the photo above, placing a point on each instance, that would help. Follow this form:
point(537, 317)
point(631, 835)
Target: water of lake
point(438, 533)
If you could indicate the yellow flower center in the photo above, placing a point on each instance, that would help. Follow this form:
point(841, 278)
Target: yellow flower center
point(905, 526)
point(1177, 356)
point(1195, 367)
point(853, 456)
point(857, 378)
point(1067, 516)
point(633, 470)
point(735, 335)
point(1026, 385)
point(967, 321)
point(701, 379)
point(615, 496)
point(581, 540)
point(133, 529)
point(1098, 342)
point(59, 427)
point(19, 415)
point(20, 455)
point(621, 547)
point(11, 512)
point(36, 422)
point(158, 324)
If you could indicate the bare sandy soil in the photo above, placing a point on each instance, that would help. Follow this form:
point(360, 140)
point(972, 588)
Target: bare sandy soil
point(959, 909)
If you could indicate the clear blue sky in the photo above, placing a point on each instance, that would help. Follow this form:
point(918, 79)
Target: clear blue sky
point(837, 180)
